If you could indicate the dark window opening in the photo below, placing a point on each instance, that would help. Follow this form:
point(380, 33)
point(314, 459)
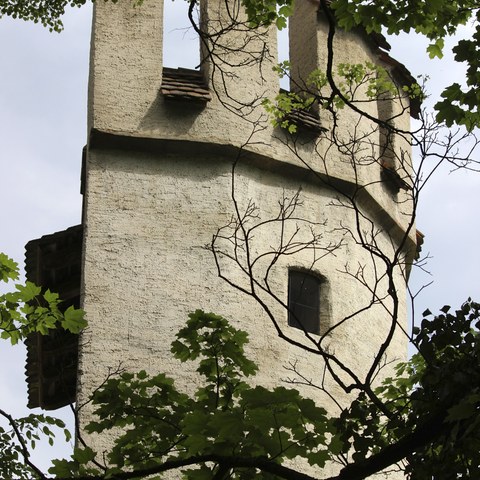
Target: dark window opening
point(304, 301)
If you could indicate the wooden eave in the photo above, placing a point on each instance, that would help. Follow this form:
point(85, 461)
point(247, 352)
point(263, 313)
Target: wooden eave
point(54, 262)
point(184, 84)
point(307, 121)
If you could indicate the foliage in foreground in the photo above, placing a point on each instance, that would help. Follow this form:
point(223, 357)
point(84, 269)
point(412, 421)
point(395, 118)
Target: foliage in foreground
point(424, 419)
point(225, 417)
point(24, 311)
point(28, 309)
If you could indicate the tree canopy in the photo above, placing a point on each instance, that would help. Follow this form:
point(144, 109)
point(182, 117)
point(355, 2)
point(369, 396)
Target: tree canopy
point(25, 310)
point(28, 309)
point(424, 418)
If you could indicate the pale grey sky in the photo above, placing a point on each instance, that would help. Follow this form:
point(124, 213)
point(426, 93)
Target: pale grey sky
point(43, 94)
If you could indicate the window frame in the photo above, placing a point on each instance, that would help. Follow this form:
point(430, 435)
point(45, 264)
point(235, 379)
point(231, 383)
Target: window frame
point(313, 322)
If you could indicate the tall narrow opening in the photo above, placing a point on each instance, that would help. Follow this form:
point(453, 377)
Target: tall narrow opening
point(283, 53)
point(395, 173)
point(386, 135)
point(304, 301)
point(181, 46)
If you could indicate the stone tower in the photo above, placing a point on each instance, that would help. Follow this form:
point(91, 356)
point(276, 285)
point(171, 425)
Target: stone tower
point(158, 183)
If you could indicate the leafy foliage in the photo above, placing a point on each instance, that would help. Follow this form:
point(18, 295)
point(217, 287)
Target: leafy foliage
point(435, 20)
point(27, 309)
point(24, 311)
point(433, 402)
point(460, 105)
point(356, 82)
point(268, 12)
point(284, 107)
point(446, 379)
point(22, 435)
point(47, 13)
point(427, 415)
point(225, 417)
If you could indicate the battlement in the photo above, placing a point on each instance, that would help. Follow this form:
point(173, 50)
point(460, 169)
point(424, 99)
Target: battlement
point(126, 94)
point(132, 95)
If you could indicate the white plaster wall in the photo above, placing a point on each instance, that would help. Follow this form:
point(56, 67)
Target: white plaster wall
point(148, 218)
point(149, 214)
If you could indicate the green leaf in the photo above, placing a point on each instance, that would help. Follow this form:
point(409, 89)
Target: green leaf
point(28, 292)
point(445, 309)
point(465, 409)
point(319, 458)
point(8, 268)
point(83, 455)
point(51, 298)
point(435, 50)
point(74, 320)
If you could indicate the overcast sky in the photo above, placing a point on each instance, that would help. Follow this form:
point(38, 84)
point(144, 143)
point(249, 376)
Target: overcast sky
point(43, 94)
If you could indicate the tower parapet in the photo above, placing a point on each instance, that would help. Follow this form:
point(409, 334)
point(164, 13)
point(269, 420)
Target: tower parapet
point(131, 98)
point(126, 75)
